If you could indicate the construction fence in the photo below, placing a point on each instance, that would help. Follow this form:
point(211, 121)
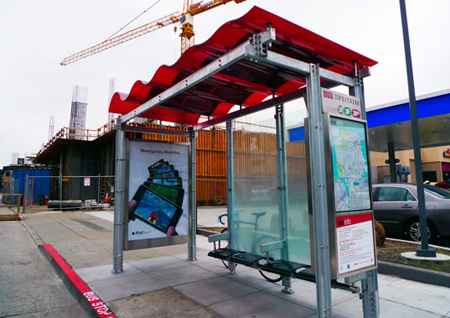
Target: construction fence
point(254, 155)
point(68, 192)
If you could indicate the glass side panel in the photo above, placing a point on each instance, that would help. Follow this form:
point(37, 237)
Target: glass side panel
point(298, 218)
point(255, 219)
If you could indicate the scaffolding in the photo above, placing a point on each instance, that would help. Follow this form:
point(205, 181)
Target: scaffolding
point(78, 111)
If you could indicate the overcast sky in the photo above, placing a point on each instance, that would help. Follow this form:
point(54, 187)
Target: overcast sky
point(37, 35)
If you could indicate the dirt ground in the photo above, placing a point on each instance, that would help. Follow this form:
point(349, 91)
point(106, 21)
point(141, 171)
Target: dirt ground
point(391, 252)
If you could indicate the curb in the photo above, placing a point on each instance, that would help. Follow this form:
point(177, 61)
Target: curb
point(8, 217)
point(206, 232)
point(413, 273)
point(89, 301)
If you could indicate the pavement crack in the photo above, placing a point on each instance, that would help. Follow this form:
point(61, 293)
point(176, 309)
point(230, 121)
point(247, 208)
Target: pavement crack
point(86, 238)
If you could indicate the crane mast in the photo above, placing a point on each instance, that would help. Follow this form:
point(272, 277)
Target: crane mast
point(186, 18)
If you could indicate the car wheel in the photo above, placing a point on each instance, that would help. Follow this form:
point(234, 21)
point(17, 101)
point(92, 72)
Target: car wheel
point(413, 231)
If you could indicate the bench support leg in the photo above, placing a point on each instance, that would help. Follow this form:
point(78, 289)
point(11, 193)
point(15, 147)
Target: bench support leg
point(287, 287)
point(232, 267)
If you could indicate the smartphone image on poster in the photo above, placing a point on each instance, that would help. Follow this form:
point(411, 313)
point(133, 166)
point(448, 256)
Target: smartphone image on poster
point(155, 210)
point(161, 170)
point(167, 174)
point(157, 164)
point(173, 182)
point(174, 195)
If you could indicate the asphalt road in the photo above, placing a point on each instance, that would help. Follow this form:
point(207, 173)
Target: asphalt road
point(20, 263)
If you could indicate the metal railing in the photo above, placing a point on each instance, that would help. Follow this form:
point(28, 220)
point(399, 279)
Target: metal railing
point(80, 133)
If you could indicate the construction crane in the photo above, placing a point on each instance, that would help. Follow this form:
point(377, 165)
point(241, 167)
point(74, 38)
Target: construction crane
point(186, 18)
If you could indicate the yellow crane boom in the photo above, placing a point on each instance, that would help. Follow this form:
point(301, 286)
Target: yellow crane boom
point(187, 29)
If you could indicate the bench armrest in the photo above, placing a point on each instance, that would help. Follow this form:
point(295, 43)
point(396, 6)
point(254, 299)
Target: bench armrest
point(218, 237)
point(272, 246)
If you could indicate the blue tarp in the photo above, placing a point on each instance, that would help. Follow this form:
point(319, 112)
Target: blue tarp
point(41, 185)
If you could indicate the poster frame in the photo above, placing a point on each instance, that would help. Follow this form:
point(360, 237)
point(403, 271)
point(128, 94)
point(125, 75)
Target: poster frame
point(149, 242)
point(331, 213)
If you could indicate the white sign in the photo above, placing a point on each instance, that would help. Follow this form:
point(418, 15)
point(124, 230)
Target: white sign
point(87, 182)
point(355, 243)
point(340, 104)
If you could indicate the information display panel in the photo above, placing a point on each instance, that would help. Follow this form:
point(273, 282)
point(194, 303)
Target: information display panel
point(350, 165)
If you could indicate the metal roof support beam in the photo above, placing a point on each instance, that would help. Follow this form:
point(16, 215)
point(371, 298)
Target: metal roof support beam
point(249, 110)
point(145, 130)
point(289, 63)
point(212, 68)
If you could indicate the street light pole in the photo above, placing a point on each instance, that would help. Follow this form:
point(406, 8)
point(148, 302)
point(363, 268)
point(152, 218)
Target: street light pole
point(425, 250)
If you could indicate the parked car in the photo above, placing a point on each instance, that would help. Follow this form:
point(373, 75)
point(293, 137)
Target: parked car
point(396, 208)
point(442, 185)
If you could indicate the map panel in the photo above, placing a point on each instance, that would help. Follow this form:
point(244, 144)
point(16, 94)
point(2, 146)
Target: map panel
point(350, 165)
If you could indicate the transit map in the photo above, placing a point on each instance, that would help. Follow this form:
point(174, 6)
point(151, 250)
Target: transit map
point(350, 165)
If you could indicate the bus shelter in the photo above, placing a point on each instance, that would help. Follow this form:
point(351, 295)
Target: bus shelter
point(257, 62)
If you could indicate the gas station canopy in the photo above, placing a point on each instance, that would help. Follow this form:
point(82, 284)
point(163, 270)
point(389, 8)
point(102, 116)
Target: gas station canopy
point(243, 83)
point(391, 123)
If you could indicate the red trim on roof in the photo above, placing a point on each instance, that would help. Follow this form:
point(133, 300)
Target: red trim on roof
point(244, 83)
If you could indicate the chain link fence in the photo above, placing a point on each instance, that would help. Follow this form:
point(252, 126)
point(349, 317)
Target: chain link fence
point(68, 193)
point(11, 193)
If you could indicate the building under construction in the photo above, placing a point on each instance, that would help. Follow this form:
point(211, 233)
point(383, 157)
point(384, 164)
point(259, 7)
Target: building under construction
point(94, 154)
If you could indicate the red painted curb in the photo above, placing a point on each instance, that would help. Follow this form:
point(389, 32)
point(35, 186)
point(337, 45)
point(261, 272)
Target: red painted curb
point(100, 308)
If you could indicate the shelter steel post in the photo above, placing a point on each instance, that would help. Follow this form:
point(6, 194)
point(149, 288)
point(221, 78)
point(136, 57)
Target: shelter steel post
point(230, 185)
point(119, 205)
point(425, 250)
point(369, 284)
point(193, 197)
point(282, 188)
point(319, 194)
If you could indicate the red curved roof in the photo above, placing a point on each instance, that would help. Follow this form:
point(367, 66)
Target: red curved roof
point(244, 83)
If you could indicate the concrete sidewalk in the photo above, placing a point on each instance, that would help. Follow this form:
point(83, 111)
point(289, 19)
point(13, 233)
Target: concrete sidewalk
point(160, 282)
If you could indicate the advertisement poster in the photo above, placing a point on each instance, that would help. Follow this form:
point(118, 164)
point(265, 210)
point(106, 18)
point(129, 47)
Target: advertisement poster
point(355, 245)
point(350, 165)
point(158, 205)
